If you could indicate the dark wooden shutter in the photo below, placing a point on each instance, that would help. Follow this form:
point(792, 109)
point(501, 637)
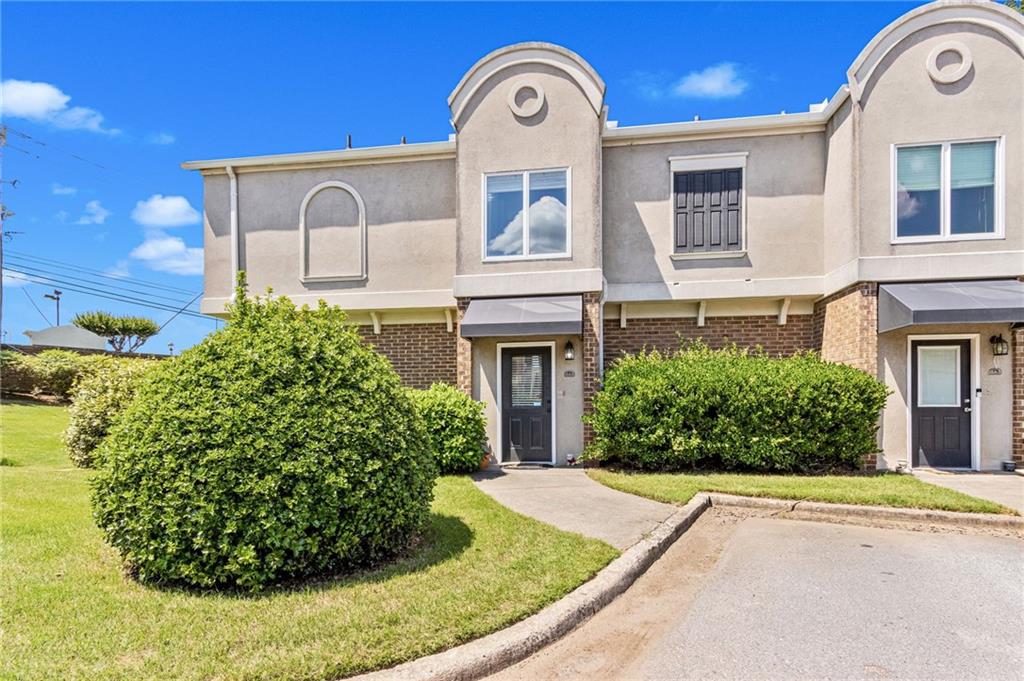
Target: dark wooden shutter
point(707, 211)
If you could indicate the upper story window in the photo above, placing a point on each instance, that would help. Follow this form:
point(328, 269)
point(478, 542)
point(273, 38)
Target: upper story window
point(526, 215)
point(708, 205)
point(947, 191)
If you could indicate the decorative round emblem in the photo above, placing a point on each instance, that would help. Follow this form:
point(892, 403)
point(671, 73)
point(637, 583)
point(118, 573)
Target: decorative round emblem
point(942, 69)
point(525, 98)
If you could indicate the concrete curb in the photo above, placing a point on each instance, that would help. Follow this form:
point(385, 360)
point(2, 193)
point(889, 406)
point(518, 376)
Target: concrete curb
point(505, 647)
point(873, 512)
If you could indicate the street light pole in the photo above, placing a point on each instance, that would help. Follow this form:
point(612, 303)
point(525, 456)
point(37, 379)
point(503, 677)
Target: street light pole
point(55, 296)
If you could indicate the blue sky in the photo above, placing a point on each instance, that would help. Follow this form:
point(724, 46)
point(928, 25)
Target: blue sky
point(114, 96)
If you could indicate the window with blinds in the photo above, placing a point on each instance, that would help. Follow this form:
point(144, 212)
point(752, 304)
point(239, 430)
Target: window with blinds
point(527, 381)
point(708, 206)
point(946, 190)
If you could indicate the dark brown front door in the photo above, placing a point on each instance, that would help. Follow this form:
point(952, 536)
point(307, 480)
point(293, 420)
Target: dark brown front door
point(940, 372)
point(526, 404)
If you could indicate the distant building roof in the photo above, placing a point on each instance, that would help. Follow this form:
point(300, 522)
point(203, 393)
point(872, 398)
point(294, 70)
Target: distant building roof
point(67, 336)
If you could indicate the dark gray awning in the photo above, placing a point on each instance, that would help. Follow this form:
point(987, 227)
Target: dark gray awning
point(541, 316)
point(949, 302)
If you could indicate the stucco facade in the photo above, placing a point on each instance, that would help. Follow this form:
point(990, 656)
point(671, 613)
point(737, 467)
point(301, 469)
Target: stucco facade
point(409, 238)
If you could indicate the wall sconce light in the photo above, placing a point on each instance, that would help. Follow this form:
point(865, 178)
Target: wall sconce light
point(999, 345)
point(570, 351)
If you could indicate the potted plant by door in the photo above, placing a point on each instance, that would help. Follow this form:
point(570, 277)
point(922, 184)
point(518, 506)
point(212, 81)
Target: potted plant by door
point(485, 460)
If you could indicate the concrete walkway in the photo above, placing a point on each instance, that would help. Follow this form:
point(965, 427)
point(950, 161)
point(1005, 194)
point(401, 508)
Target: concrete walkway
point(1003, 488)
point(569, 500)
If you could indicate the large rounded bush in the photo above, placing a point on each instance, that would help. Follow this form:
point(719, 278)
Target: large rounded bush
point(455, 427)
point(279, 447)
point(96, 401)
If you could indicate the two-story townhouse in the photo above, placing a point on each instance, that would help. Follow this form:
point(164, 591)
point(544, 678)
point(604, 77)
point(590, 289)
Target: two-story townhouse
point(883, 228)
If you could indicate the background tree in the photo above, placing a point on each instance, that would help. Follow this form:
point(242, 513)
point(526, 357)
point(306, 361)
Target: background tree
point(1015, 4)
point(125, 333)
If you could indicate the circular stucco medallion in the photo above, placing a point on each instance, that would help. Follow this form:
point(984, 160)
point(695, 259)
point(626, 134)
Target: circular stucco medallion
point(950, 73)
point(525, 98)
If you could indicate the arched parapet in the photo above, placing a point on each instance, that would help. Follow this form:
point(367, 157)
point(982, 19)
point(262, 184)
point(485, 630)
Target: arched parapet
point(553, 56)
point(360, 271)
point(989, 15)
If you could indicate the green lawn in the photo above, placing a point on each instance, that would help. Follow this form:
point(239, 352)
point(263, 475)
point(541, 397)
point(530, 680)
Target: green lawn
point(884, 489)
point(70, 614)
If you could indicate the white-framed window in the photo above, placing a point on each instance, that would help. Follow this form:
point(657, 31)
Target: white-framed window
point(947, 191)
point(708, 205)
point(527, 215)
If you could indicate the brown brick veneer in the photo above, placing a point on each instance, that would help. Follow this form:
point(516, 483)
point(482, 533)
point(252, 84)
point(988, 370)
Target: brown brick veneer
point(747, 331)
point(846, 327)
point(1017, 409)
point(421, 353)
point(591, 363)
point(463, 353)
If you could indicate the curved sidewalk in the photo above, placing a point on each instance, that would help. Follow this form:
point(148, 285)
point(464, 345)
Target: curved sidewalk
point(568, 499)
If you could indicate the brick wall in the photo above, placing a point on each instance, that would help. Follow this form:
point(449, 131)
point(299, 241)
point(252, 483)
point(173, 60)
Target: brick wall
point(1017, 408)
point(747, 331)
point(421, 353)
point(846, 327)
point(463, 353)
point(591, 357)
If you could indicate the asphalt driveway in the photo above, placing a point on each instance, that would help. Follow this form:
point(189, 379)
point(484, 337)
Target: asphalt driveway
point(741, 597)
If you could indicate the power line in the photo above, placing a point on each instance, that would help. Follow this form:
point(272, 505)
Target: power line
point(100, 273)
point(80, 288)
point(45, 319)
point(175, 315)
point(38, 270)
point(34, 140)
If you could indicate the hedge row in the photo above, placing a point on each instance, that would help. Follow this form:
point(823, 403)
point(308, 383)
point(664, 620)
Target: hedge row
point(735, 410)
point(51, 372)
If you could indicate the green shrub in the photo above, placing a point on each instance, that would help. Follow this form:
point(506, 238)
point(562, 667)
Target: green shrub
point(17, 373)
point(97, 400)
point(57, 371)
point(279, 447)
point(731, 409)
point(455, 427)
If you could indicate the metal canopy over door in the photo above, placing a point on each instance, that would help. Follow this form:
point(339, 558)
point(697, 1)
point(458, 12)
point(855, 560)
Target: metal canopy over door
point(941, 403)
point(526, 404)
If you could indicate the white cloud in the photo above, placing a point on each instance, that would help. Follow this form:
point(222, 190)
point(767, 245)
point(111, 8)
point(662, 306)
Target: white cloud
point(715, 82)
point(46, 103)
point(161, 138)
point(165, 211)
point(95, 214)
point(165, 253)
point(59, 189)
point(119, 270)
point(547, 230)
point(15, 279)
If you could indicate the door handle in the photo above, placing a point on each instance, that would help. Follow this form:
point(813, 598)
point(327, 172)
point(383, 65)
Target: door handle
point(967, 409)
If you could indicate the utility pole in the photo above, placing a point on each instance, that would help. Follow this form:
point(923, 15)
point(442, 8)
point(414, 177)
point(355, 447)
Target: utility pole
point(3, 216)
point(55, 296)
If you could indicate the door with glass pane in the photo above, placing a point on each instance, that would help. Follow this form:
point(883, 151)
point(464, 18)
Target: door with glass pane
point(941, 408)
point(526, 404)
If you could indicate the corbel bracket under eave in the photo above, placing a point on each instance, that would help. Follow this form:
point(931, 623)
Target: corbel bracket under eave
point(784, 311)
point(622, 316)
point(375, 318)
point(702, 308)
point(448, 320)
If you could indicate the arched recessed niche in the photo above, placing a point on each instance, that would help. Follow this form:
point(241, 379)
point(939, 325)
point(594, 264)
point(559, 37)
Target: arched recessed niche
point(357, 268)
